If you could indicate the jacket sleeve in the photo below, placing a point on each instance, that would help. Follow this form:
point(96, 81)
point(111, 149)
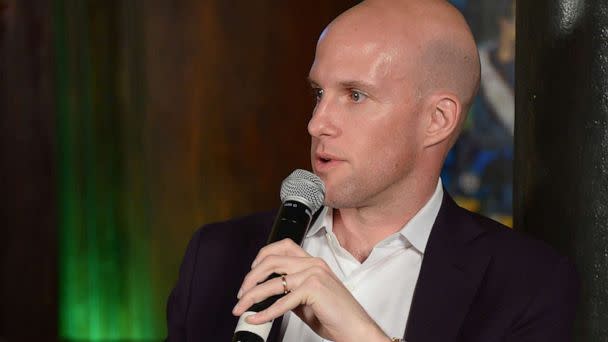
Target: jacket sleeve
point(179, 299)
point(550, 314)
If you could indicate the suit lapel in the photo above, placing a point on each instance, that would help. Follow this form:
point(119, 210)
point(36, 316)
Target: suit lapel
point(449, 277)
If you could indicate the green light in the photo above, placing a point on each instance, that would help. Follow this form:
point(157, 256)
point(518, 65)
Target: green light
point(104, 257)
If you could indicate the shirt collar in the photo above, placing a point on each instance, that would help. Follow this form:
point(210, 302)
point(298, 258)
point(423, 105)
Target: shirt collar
point(323, 223)
point(416, 231)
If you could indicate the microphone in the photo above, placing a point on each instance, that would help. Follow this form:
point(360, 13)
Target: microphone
point(302, 194)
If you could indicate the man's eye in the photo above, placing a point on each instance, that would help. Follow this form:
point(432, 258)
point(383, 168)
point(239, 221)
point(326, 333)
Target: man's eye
point(317, 94)
point(357, 96)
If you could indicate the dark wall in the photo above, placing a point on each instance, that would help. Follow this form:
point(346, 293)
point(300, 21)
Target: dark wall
point(28, 249)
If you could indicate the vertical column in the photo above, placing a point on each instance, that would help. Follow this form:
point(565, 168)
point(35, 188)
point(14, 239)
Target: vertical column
point(561, 141)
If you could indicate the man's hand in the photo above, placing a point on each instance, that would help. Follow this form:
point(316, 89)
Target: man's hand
point(316, 295)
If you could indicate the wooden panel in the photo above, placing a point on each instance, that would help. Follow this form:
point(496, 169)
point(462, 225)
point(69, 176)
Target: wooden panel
point(170, 114)
point(227, 108)
point(28, 233)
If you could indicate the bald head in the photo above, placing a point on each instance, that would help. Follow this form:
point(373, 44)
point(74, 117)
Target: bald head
point(393, 81)
point(427, 42)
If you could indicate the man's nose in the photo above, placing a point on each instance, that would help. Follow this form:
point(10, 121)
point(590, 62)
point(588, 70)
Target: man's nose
point(323, 121)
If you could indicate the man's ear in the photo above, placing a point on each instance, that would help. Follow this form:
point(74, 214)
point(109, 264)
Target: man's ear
point(444, 119)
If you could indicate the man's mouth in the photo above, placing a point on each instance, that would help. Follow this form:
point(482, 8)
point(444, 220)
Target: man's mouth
point(324, 161)
point(325, 157)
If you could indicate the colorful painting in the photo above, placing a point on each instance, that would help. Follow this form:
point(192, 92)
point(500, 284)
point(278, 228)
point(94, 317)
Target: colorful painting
point(479, 169)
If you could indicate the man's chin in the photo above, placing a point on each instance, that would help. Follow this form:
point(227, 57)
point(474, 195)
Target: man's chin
point(336, 190)
point(336, 199)
point(337, 204)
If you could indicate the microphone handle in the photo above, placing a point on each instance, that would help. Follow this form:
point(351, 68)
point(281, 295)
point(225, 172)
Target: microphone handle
point(292, 221)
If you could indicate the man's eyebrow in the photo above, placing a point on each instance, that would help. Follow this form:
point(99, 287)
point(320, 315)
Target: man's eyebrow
point(312, 82)
point(357, 84)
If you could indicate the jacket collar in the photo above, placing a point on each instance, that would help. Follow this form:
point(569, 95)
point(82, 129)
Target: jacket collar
point(449, 277)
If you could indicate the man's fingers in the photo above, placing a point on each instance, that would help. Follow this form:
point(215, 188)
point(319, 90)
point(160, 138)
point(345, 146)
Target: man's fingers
point(262, 291)
point(284, 247)
point(270, 264)
point(302, 283)
point(304, 289)
point(280, 265)
point(289, 302)
point(273, 264)
point(268, 256)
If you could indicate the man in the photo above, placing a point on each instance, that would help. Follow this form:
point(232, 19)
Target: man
point(391, 255)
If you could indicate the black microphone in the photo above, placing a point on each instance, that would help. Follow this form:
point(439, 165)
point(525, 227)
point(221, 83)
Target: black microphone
point(302, 194)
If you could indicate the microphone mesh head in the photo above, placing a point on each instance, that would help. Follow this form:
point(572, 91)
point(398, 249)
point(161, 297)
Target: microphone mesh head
point(305, 187)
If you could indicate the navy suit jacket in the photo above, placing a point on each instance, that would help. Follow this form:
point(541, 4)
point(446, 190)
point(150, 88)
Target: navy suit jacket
point(479, 282)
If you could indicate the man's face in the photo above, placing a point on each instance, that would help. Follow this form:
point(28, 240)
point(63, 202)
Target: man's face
point(365, 129)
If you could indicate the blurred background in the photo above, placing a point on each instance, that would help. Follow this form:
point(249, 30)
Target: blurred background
point(126, 125)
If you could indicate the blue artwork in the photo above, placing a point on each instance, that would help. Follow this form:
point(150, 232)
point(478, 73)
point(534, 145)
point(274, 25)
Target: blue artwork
point(479, 168)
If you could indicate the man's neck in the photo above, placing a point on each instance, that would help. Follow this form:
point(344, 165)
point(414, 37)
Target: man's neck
point(359, 230)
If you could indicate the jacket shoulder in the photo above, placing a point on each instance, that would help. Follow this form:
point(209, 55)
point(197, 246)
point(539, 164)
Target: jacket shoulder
point(248, 227)
point(514, 247)
point(529, 287)
point(216, 260)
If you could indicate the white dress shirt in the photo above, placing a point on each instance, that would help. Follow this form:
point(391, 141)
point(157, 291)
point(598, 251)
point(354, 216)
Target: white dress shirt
point(384, 283)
